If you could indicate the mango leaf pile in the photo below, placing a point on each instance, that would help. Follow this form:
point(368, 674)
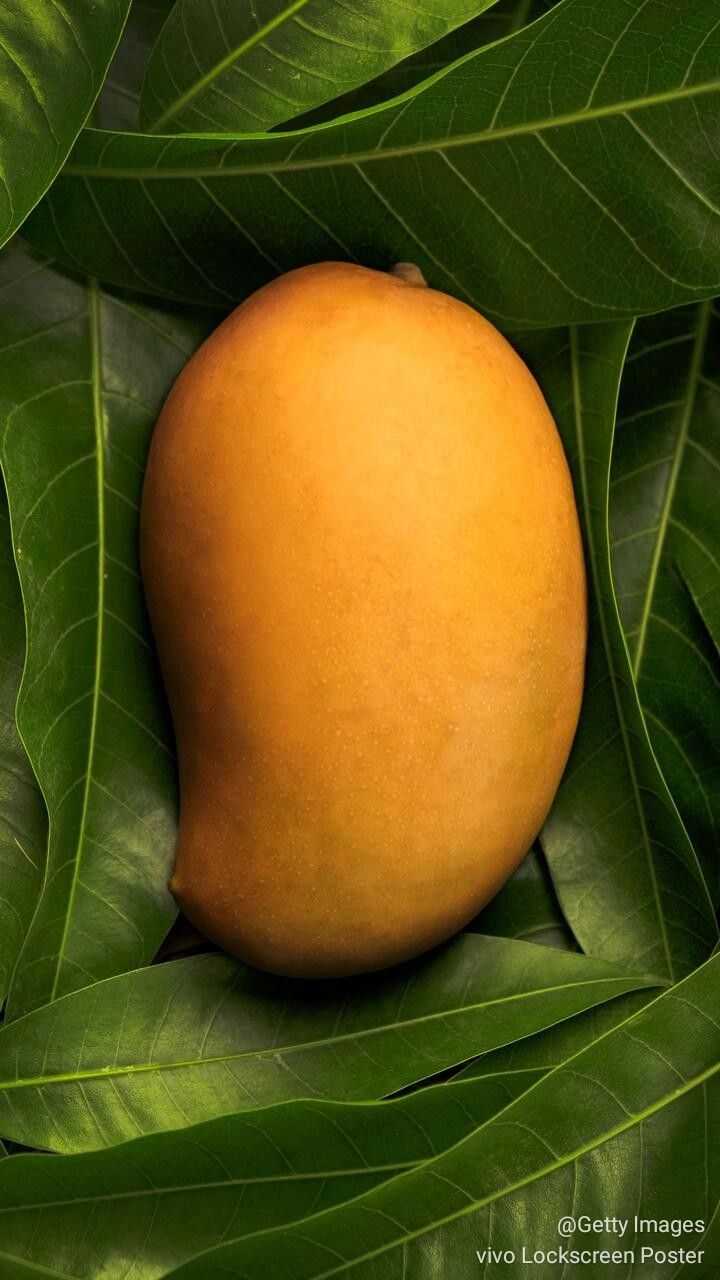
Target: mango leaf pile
point(165, 1110)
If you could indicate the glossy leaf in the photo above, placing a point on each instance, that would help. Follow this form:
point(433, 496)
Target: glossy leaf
point(244, 68)
point(23, 822)
point(118, 106)
point(53, 60)
point(159, 1200)
point(502, 19)
point(12, 1269)
point(527, 908)
point(536, 1055)
point(622, 1124)
point(531, 188)
point(710, 1266)
point(197, 1038)
point(625, 871)
point(82, 376)
point(666, 554)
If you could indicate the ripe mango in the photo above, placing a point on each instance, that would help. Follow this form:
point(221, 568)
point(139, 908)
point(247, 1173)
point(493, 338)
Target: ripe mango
point(365, 577)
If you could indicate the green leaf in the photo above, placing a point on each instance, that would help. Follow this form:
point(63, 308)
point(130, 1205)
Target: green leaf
point(665, 523)
point(13, 1269)
point(159, 1200)
point(23, 822)
point(527, 908)
point(53, 60)
point(118, 106)
point(626, 874)
point(710, 1266)
point(244, 68)
point(502, 19)
point(622, 1126)
point(82, 376)
point(192, 1039)
point(536, 1055)
point(531, 191)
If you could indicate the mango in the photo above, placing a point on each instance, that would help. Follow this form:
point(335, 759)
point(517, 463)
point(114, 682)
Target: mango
point(364, 571)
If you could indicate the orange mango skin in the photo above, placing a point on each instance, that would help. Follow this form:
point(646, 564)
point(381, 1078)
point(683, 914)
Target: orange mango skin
point(364, 570)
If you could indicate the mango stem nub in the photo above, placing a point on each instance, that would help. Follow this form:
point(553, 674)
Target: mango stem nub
point(410, 273)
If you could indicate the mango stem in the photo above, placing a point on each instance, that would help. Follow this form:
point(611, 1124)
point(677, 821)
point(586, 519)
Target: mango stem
point(410, 273)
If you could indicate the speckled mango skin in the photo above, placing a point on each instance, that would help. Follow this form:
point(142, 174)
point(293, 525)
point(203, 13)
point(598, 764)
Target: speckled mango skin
point(364, 570)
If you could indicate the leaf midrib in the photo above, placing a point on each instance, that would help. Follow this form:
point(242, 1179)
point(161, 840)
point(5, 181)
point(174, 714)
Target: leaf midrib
point(551, 1167)
point(97, 1073)
point(35, 1268)
point(229, 60)
point(555, 1071)
point(523, 129)
point(137, 1193)
point(601, 608)
point(97, 409)
point(699, 339)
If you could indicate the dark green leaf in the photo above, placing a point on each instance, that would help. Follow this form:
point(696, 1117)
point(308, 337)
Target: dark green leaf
point(160, 1200)
point(665, 523)
point(587, 202)
point(625, 1126)
point(53, 60)
point(626, 874)
point(500, 20)
point(201, 1037)
point(13, 1269)
point(709, 1268)
point(82, 376)
point(118, 106)
point(527, 907)
point(536, 1055)
point(23, 823)
point(245, 68)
